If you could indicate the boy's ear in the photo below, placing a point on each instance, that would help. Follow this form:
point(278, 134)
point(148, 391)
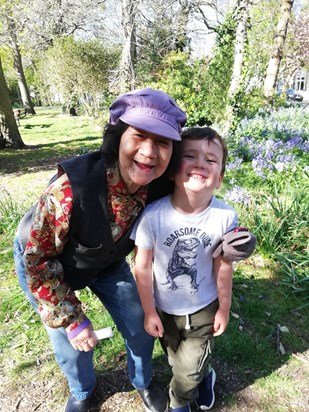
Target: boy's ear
point(220, 181)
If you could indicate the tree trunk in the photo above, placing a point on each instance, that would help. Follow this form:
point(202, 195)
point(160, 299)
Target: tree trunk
point(18, 65)
point(182, 24)
point(277, 52)
point(127, 72)
point(241, 15)
point(9, 133)
point(240, 45)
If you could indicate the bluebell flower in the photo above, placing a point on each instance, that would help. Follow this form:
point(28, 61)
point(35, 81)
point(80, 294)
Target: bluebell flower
point(234, 165)
point(237, 195)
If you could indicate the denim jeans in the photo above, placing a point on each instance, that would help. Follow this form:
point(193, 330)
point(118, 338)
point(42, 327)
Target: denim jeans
point(118, 293)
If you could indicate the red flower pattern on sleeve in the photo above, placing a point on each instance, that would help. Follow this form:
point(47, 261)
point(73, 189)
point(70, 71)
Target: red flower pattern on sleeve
point(58, 304)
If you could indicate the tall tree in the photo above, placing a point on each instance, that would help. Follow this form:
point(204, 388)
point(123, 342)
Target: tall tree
point(33, 25)
point(18, 65)
point(297, 47)
point(182, 25)
point(161, 29)
point(9, 133)
point(10, 29)
point(241, 15)
point(47, 20)
point(128, 56)
point(277, 51)
point(80, 71)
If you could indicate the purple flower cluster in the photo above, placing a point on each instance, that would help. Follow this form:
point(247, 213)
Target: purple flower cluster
point(235, 164)
point(271, 155)
point(236, 195)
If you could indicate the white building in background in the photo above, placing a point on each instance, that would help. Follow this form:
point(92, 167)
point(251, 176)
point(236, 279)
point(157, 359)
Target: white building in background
point(300, 83)
point(301, 80)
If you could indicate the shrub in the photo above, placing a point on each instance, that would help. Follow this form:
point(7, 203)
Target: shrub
point(79, 71)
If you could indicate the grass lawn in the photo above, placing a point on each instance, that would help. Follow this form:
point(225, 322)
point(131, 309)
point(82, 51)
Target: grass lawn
point(262, 361)
point(51, 137)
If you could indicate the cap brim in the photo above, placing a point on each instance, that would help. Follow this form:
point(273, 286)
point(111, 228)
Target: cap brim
point(151, 125)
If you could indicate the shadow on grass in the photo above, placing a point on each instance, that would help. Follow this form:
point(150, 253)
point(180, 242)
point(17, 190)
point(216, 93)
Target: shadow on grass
point(72, 142)
point(44, 156)
point(24, 366)
point(246, 352)
point(41, 126)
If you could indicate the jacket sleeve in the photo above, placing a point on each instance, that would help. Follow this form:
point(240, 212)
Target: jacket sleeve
point(58, 304)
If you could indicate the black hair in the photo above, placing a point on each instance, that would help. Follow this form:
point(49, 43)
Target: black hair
point(111, 142)
point(174, 161)
point(209, 134)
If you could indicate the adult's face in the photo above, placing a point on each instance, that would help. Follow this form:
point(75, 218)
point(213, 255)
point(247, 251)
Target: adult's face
point(143, 157)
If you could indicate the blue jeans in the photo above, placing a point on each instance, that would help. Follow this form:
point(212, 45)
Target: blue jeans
point(118, 293)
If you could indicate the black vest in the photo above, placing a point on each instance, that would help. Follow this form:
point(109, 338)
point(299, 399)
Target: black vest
point(90, 249)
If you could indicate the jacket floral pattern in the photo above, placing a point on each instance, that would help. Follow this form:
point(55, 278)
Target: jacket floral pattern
point(58, 304)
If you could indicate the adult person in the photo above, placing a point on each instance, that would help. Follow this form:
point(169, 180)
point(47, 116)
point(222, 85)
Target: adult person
point(78, 236)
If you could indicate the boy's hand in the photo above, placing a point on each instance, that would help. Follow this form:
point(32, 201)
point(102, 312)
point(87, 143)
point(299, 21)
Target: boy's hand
point(221, 321)
point(153, 325)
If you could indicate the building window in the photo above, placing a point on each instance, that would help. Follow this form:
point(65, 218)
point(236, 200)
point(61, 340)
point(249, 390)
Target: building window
point(300, 83)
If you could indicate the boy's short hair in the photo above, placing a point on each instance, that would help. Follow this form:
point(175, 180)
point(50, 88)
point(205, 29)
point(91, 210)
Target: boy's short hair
point(206, 133)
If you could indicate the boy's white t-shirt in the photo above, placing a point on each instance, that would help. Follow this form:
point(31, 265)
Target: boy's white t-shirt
point(183, 278)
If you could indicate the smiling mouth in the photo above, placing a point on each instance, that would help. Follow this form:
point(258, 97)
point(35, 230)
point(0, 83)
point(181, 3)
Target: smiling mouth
point(196, 176)
point(145, 168)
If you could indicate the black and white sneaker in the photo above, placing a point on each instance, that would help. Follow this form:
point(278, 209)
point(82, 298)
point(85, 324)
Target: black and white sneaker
point(206, 397)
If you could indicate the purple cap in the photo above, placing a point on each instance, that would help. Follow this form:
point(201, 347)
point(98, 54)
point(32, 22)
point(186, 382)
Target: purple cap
point(150, 110)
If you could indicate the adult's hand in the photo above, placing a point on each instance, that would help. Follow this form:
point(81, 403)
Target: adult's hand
point(85, 340)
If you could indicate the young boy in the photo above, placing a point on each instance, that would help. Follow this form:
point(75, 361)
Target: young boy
point(187, 296)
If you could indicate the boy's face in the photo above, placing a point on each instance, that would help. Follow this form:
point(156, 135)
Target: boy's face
point(201, 165)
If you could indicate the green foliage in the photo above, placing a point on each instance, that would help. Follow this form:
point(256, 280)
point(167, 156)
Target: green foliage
point(219, 73)
point(200, 87)
point(182, 79)
point(280, 223)
point(262, 297)
point(271, 150)
point(267, 182)
point(80, 71)
point(294, 265)
point(263, 21)
point(10, 75)
point(155, 44)
point(10, 214)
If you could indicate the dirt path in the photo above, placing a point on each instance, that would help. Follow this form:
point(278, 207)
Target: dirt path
point(114, 394)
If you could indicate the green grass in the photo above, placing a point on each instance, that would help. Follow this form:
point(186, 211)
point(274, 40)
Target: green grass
point(51, 137)
point(246, 356)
